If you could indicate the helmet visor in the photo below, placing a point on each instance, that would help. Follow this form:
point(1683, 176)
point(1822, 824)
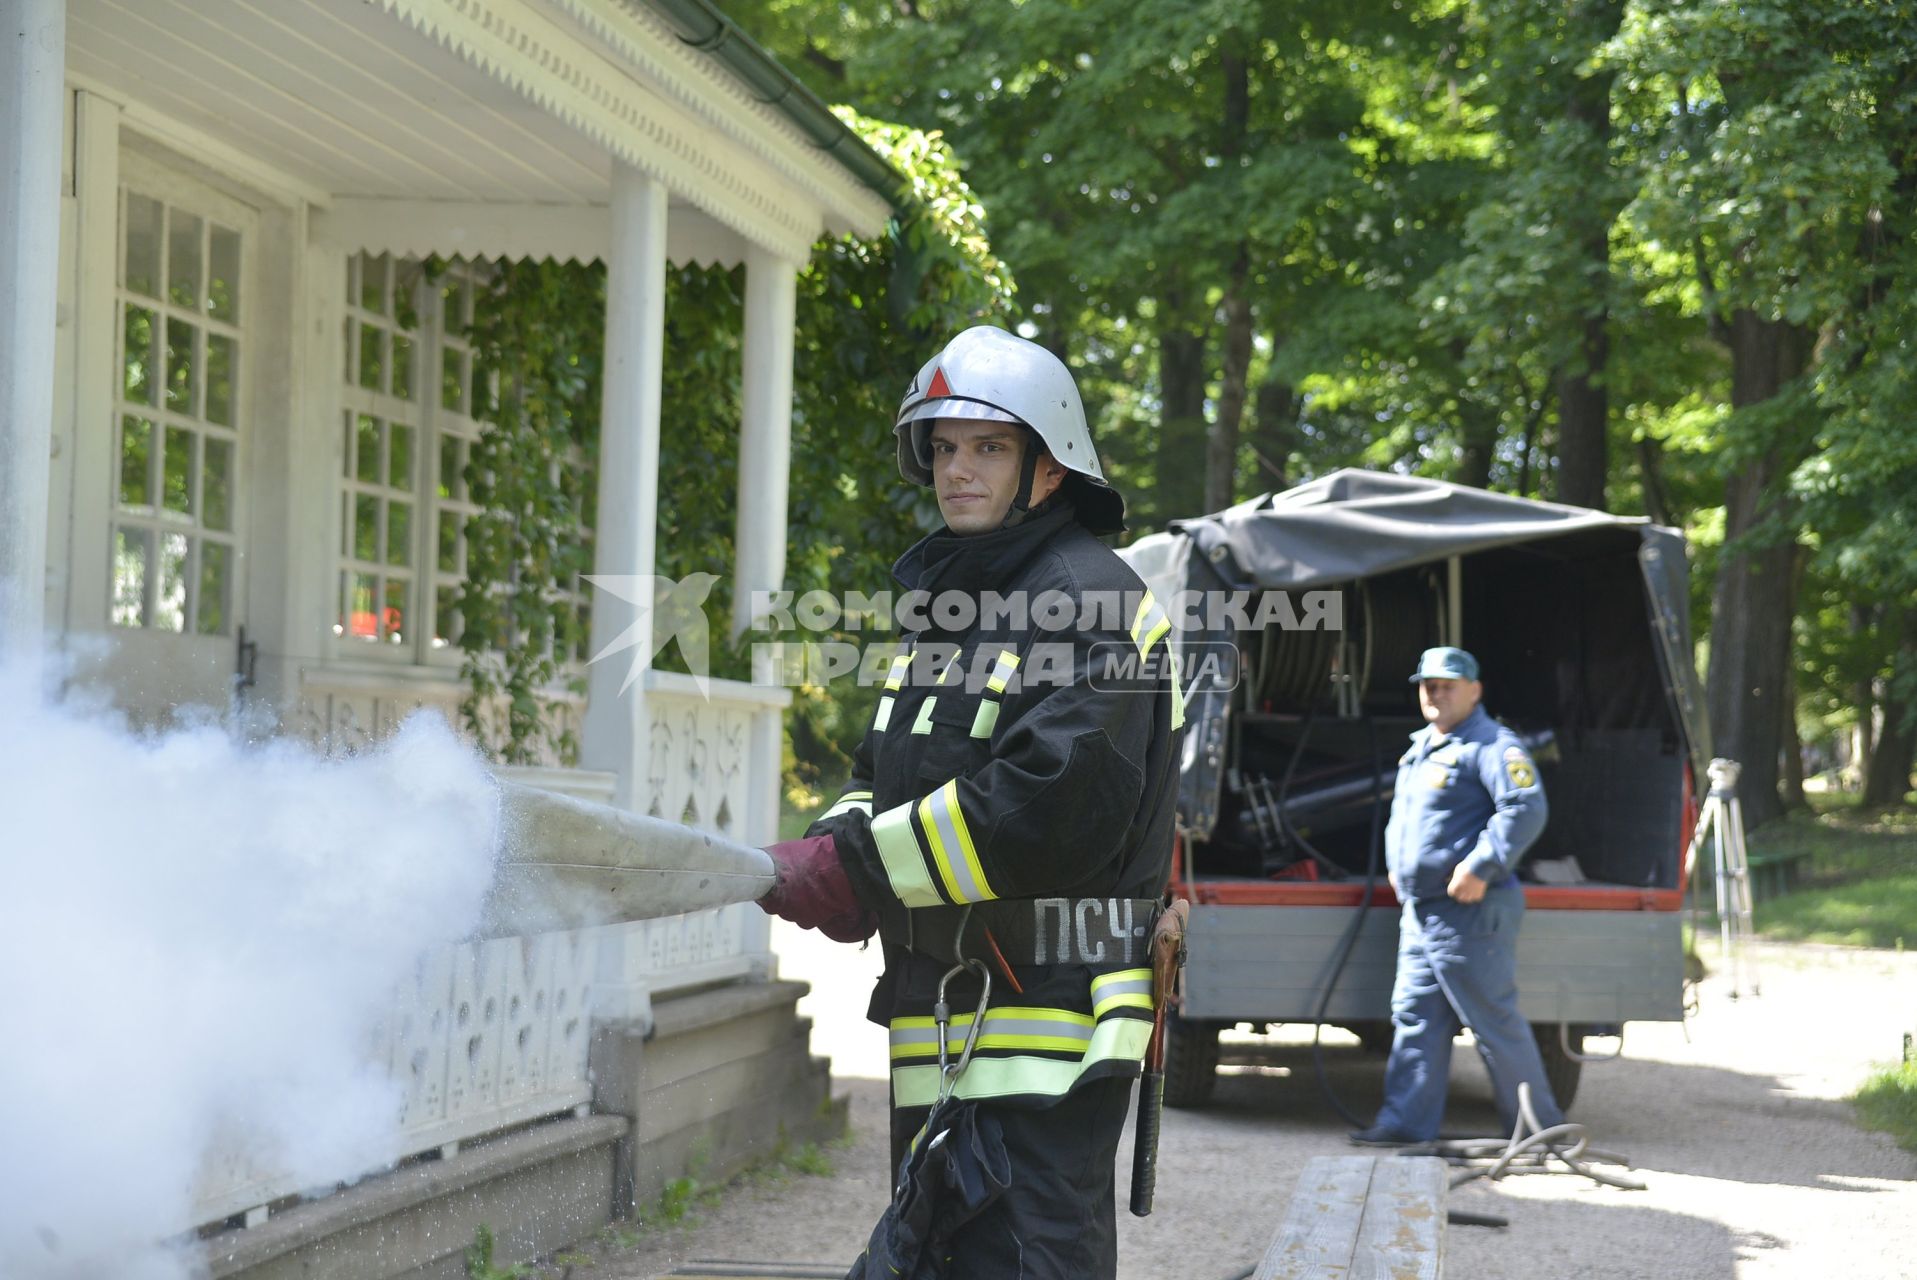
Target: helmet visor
point(921, 416)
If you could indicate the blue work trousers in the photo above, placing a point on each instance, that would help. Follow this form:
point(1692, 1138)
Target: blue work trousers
point(1457, 965)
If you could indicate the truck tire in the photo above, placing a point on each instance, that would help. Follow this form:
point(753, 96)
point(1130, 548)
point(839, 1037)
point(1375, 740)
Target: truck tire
point(1373, 1036)
point(1191, 1061)
point(1561, 1070)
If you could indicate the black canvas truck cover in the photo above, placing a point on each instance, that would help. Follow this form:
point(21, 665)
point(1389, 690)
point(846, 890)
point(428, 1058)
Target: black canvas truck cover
point(1354, 524)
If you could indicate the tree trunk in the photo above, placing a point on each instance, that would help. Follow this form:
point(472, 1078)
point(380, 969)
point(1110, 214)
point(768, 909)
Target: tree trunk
point(1180, 490)
point(1583, 415)
point(1888, 779)
point(1221, 449)
point(1792, 752)
point(1274, 427)
point(1751, 606)
point(1862, 619)
point(1583, 404)
point(1477, 444)
point(1650, 467)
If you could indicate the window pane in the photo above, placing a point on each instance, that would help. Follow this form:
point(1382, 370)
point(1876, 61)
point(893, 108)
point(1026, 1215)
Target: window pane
point(176, 475)
point(372, 284)
point(399, 533)
point(393, 619)
point(142, 246)
point(366, 455)
point(182, 259)
point(219, 379)
point(449, 522)
point(136, 452)
point(402, 367)
point(137, 376)
point(362, 606)
point(130, 552)
point(223, 284)
point(452, 380)
point(399, 466)
point(209, 610)
point(450, 481)
point(366, 527)
point(346, 346)
point(169, 605)
point(445, 617)
point(179, 366)
point(216, 472)
point(371, 356)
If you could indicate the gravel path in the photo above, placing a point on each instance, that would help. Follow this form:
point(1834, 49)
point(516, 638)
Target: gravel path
point(1755, 1168)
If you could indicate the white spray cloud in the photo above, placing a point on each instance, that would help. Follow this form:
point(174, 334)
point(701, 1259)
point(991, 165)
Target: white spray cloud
point(197, 939)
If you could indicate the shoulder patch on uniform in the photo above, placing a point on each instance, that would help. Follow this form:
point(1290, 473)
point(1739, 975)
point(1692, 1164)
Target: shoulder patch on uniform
point(1518, 767)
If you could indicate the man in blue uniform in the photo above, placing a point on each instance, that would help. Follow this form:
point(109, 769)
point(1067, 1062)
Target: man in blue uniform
point(1467, 806)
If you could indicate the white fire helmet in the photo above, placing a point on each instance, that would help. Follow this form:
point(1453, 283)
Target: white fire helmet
point(986, 374)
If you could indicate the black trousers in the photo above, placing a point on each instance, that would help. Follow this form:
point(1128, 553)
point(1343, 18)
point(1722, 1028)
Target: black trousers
point(1058, 1221)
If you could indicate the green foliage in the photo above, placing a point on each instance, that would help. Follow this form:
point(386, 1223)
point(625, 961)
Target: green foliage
point(479, 1259)
point(1420, 208)
point(868, 314)
point(1860, 888)
point(1888, 1102)
point(1424, 203)
point(537, 337)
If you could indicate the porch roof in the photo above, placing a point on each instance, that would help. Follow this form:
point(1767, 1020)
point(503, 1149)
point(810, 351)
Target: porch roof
point(492, 122)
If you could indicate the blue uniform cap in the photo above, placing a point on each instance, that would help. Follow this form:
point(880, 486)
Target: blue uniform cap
point(1445, 663)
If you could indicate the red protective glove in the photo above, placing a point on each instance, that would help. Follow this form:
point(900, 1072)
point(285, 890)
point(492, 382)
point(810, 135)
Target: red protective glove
point(812, 891)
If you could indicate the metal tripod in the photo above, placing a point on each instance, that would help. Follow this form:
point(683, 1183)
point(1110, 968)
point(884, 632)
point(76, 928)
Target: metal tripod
point(1723, 821)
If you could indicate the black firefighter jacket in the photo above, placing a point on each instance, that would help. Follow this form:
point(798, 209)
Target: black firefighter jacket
point(1029, 754)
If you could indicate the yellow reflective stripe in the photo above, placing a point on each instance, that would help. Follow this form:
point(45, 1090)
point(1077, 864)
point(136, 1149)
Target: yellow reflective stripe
point(952, 849)
point(986, 720)
point(1178, 693)
point(1125, 989)
point(904, 862)
point(949, 668)
point(895, 679)
point(1002, 671)
point(1114, 1040)
point(884, 716)
point(1150, 625)
point(860, 800)
point(1007, 1027)
point(924, 723)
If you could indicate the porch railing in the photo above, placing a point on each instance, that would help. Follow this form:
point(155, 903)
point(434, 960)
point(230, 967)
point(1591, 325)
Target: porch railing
point(492, 1034)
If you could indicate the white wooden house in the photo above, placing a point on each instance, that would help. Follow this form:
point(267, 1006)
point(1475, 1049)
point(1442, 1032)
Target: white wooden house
point(232, 407)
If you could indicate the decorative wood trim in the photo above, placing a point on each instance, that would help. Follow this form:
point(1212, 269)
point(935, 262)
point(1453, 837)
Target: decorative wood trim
point(699, 84)
point(576, 84)
point(484, 229)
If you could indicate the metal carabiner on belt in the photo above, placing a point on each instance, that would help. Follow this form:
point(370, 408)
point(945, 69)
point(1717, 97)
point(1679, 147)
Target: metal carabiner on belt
point(950, 1071)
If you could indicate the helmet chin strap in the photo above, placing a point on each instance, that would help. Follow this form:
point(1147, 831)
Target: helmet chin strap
point(1022, 501)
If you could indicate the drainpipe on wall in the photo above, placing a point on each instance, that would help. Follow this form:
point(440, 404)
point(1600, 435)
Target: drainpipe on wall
point(32, 78)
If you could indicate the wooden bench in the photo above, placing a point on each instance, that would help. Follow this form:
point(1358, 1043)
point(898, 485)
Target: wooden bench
point(1362, 1217)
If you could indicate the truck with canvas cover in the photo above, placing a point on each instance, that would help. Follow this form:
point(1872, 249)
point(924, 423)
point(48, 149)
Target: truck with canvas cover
point(1299, 617)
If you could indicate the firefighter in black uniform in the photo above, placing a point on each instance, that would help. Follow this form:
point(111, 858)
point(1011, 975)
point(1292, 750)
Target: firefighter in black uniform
point(1007, 831)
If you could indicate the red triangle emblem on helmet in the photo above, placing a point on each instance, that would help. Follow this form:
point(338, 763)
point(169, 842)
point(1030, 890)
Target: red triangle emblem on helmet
point(940, 388)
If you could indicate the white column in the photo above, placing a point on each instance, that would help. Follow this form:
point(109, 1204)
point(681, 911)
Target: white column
point(32, 76)
point(765, 458)
point(765, 434)
point(616, 735)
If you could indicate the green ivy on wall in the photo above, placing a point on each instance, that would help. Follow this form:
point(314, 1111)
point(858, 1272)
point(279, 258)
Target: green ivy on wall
point(869, 312)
